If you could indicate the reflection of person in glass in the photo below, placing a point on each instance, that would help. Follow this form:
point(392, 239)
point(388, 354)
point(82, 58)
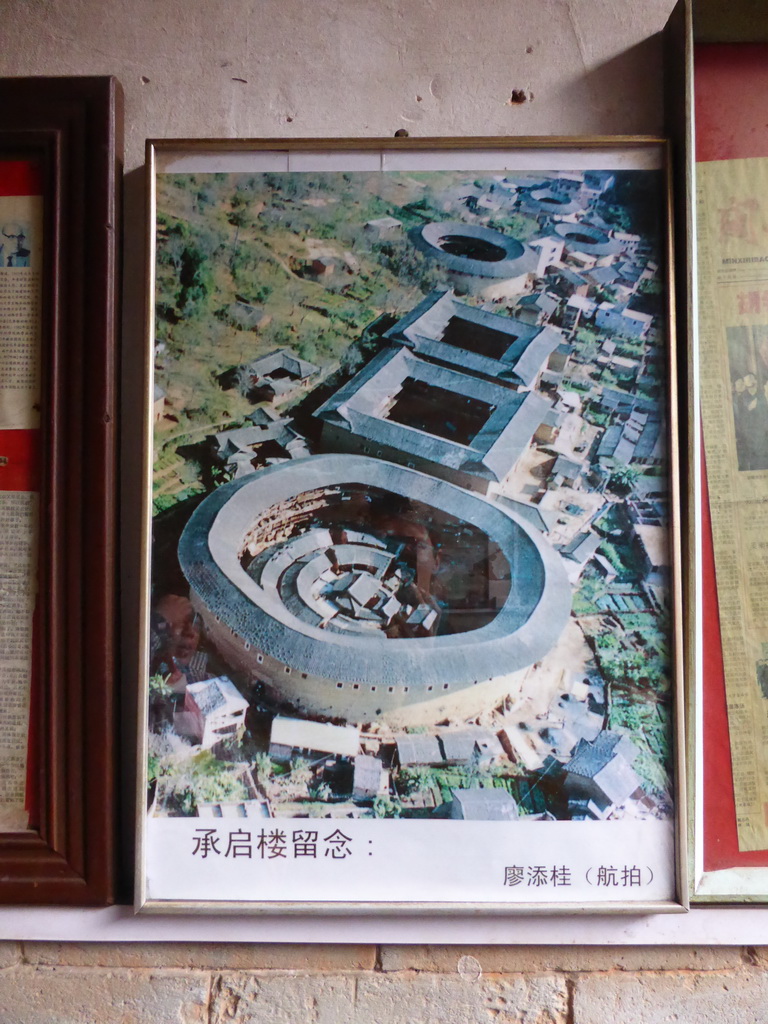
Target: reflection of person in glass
point(750, 414)
point(18, 257)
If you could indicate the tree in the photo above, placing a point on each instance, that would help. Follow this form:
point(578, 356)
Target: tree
point(387, 807)
point(195, 278)
point(418, 778)
point(301, 775)
point(222, 787)
point(307, 349)
point(622, 479)
point(264, 766)
point(625, 670)
point(591, 589)
point(320, 791)
point(158, 687)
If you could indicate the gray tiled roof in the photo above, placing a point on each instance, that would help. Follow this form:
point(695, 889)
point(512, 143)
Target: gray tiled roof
point(649, 441)
point(282, 358)
point(582, 547)
point(358, 406)
point(485, 804)
point(367, 773)
point(522, 631)
point(424, 327)
point(587, 238)
point(540, 300)
point(590, 758)
point(542, 519)
point(458, 746)
point(567, 467)
point(418, 748)
point(519, 257)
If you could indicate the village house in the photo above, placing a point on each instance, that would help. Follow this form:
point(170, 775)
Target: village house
point(418, 748)
point(384, 229)
point(579, 551)
point(565, 282)
point(577, 310)
point(269, 440)
point(622, 320)
point(538, 308)
point(619, 441)
point(246, 316)
point(301, 737)
point(319, 267)
point(213, 710)
point(483, 805)
point(600, 776)
point(595, 183)
point(278, 376)
point(471, 745)
point(550, 249)
point(368, 775)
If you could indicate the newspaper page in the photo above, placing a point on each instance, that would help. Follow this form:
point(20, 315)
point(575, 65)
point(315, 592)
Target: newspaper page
point(733, 325)
point(20, 325)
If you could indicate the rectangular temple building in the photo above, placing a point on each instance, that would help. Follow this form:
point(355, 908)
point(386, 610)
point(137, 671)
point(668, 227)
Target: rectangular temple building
point(429, 417)
point(444, 329)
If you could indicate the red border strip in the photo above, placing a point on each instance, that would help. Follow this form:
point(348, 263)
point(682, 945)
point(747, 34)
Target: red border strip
point(19, 460)
point(20, 178)
point(721, 844)
point(730, 83)
point(729, 79)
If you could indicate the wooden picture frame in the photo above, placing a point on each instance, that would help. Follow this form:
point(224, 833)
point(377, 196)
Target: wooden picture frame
point(72, 128)
point(254, 241)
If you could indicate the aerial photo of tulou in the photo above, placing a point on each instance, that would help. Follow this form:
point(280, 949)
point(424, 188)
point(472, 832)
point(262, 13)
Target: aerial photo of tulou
point(410, 526)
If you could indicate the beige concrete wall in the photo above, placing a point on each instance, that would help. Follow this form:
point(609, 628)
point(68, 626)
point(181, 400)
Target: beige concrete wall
point(52, 983)
point(351, 67)
point(330, 68)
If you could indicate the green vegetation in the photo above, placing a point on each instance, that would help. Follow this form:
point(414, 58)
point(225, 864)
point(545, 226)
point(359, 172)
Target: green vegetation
point(229, 239)
point(591, 588)
point(387, 807)
point(159, 688)
point(191, 777)
point(622, 478)
point(237, 276)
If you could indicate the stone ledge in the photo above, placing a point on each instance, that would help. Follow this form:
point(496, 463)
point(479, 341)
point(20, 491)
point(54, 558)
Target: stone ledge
point(204, 955)
point(388, 999)
point(40, 995)
point(526, 959)
point(730, 997)
point(10, 954)
point(456, 1000)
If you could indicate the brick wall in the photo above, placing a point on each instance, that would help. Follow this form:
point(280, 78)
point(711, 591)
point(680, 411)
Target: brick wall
point(174, 983)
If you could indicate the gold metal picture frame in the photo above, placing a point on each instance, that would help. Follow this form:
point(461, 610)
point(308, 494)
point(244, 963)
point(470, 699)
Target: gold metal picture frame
point(412, 586)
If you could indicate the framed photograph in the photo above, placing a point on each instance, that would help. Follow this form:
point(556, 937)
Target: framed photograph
point(60, 153)
point(412, 581)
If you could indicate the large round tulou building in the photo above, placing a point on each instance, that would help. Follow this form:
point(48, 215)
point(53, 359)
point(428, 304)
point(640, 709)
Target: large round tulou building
point(354, 588)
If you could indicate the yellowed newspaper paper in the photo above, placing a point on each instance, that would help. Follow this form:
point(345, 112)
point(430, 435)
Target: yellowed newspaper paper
point(20, 303)
point(21, 232)
point(733, 325)
point(18, 516)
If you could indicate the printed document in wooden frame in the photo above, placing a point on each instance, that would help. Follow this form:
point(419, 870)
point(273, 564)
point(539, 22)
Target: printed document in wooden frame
point(70, 131)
